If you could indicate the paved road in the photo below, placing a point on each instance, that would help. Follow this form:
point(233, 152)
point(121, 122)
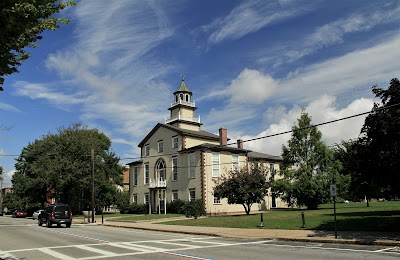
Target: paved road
point(24, 239)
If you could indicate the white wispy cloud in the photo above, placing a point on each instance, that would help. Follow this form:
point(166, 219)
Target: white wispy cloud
point(251, 16)
point(8, 107)
point(331, 34)
point(360, 68)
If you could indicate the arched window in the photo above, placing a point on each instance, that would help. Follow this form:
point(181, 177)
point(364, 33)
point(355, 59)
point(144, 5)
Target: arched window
point(160, 170)
point(176, 98)
point(187, 98)
point(181, 96)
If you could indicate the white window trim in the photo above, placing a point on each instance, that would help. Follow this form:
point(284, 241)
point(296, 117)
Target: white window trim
point(135, 175)
point(175, 192)
point(218, 164)
point(190, 190)
point(146, 173)
point(219, 199)
point(146, 150)
point(144, 198)
point(173, 142)
point(174, 168)
point(160, 146)
point(192, 166)
point(237, 161)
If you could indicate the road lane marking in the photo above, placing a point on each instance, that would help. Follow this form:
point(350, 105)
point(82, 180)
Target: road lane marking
point(55, 254)
point(96, 250)
point(187, 256)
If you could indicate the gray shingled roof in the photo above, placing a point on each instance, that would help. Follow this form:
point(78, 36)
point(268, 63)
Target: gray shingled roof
point(193, 133)
point(216, 148)
point(257, 155)
point(183, 88)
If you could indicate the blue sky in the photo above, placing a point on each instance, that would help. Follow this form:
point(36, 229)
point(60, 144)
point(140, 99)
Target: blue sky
point(252, 67)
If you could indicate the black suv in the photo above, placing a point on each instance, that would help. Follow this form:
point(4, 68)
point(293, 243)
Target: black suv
point(56, 214)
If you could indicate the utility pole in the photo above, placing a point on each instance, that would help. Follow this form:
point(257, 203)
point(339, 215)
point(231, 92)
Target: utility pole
point(92, 185)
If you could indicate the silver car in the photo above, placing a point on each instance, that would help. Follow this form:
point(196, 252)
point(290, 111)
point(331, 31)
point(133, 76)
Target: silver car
point(36, 214)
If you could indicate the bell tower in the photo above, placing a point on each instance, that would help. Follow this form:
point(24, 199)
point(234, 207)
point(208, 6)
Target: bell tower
point(182, 109)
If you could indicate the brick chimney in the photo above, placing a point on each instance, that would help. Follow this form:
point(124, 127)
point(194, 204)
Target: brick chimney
point(239, 143)
point(223, 136)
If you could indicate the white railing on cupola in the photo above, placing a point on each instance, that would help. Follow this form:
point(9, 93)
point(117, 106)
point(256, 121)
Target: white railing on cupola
point(157, 183)
point(186, 103)
point(179, 117)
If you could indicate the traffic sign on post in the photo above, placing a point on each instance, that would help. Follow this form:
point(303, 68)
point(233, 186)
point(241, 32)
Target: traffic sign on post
point(333, 189)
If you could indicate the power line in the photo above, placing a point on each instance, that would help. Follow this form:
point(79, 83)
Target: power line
point(267, 136)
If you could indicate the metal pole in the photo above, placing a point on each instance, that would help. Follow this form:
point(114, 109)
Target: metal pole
point(303, 219)
point(92, 185)
point(334, 204)
point(262, 221)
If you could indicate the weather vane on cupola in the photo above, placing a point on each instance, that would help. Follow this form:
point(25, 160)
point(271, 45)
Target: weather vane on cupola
point(183, 77)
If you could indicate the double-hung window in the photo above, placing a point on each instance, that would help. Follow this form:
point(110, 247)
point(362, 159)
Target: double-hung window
point(135, 198)
point(175, 142)
point(215, 164)
point(217, 199)
point(175, 195)
point(175, 168)
point(146, 173)
point(235, 162)
point(192, 166)
point(160, 146)
point(146, 198)
point(146, 150)
point(192, 194)
point(135, 176)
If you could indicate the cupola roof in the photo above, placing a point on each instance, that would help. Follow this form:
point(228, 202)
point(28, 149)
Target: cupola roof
point(183, 88)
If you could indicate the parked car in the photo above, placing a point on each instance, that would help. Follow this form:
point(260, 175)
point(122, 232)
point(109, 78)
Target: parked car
point(19, 214)
point(36, 214)
point(56, 214)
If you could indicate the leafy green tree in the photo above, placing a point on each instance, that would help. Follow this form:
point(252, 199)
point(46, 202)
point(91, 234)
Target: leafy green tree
point(22, 23)
point(382, 137)
point(244, 186)
point(307, 169)
point(60, 166)
point(356, 168)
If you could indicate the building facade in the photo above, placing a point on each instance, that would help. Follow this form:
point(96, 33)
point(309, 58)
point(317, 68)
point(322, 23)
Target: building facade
point(181, 161)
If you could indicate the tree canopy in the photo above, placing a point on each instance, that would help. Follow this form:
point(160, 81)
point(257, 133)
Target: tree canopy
point(307, 169)
point(59, 166)
point(22, 23)
point(244, 186)
point(381, 136)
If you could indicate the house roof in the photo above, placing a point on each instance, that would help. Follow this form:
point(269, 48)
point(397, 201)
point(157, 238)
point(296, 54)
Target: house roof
point(215, 147)
point(264, 156)
point(201, 134)
point(183, 88)
point(135, 162)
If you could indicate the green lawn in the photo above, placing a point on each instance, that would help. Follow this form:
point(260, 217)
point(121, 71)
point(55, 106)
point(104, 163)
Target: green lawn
point(133, 217)
point(379, 216)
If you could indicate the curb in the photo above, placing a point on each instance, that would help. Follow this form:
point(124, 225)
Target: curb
point(316, 239)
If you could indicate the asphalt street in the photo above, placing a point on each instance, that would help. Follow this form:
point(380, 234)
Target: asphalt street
point(24, 239)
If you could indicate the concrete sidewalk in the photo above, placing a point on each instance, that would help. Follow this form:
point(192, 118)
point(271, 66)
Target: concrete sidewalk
point(344, 237)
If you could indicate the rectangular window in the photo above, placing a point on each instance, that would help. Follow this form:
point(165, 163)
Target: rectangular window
point(135, 175)
point(174, 168)
point(272, 170)
point(192, 194)
point(146, 173)
point(192, 166)
point(174, 195)
point(235, 162)
point(146, 198)
point(146, 150)
point(217, 199)
point(215, 165)
point(175, 141)
point(160, 146)
point(134, 198)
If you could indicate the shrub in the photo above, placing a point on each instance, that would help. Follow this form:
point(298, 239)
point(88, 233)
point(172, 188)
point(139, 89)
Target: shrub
point(176, 207)
point(194, 209)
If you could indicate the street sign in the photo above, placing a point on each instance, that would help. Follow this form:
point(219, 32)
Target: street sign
point(333, 189)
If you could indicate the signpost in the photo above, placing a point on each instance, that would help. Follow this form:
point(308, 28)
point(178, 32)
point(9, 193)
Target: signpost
point(333, 194)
